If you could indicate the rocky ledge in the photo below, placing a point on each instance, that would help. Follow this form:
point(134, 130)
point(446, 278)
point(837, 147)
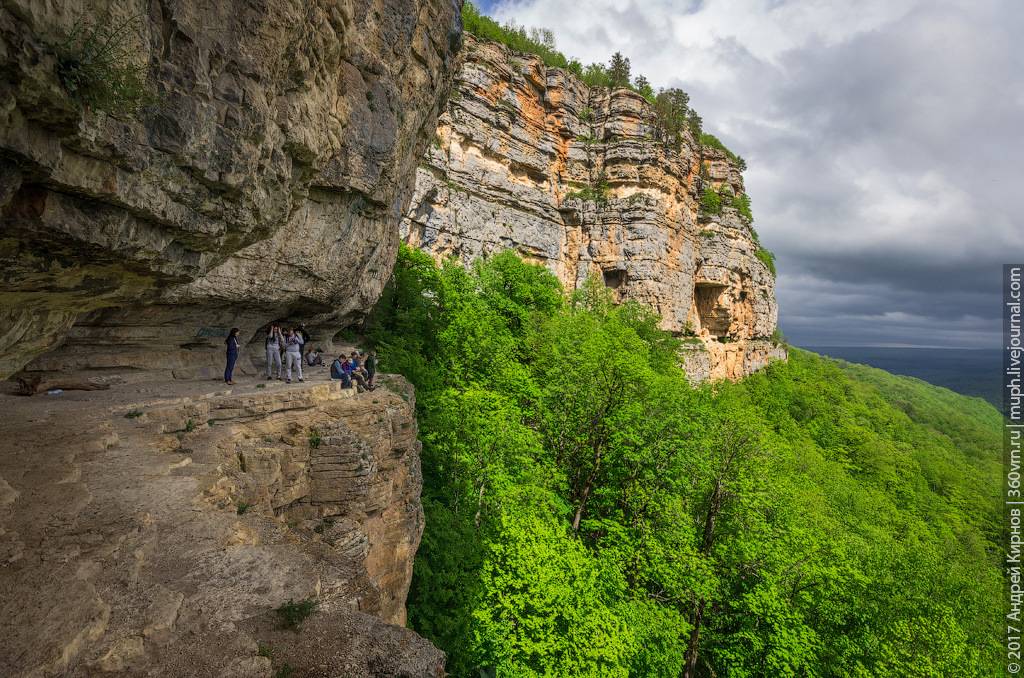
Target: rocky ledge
point(153, 528)
point(530, 158)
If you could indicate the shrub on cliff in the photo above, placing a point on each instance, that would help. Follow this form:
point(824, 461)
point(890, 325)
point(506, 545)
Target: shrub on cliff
point(99, 69)
point(590, 514)
point(714, 142)
point(710, 201)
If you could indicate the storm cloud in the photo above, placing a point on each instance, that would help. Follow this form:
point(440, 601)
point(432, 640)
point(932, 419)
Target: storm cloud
point(884, 141)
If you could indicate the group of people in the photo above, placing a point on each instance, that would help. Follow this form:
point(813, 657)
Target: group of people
point(358, 368)
point(288, 344)
point(285, 355)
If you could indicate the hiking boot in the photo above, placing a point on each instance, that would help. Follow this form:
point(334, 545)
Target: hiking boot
point(301, 379)
point(287, 381)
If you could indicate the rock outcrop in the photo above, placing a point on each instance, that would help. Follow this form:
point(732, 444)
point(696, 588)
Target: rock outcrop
point(530, 158)
point(265, 179)
point(152, 528)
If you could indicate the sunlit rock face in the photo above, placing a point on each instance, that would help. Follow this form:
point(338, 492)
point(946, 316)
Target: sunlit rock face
point(266, 179)
point(514, 157)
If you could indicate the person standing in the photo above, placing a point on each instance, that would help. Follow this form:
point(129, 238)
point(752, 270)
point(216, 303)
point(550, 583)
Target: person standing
point(293, 354)
point(275, 340)
point(371, 368)
point(232, 356)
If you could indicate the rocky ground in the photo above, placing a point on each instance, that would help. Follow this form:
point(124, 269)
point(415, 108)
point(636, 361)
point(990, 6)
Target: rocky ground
point(153, 528)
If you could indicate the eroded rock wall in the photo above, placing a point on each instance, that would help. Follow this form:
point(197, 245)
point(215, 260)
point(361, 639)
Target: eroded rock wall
point(153, 528)
point(517, 159)
point(265, 180)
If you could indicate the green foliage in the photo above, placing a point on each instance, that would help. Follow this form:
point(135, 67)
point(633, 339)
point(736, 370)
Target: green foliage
point(589, 513)
point(597, 192)
point(671, 113)
point(710, 201)
point(98, 68)
point(243, 507)
point(264, 650)
point(714, 142)
point(741, 202)
point(133, 414)
point(618, 71)
point(643, 87)
point(314, 438)
point(292, 614)
point(766, 258)
point(284, 671)
point(538, 41)
point(190, 426)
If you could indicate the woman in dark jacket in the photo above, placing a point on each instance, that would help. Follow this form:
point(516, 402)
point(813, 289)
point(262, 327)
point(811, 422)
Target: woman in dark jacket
point(232, 342)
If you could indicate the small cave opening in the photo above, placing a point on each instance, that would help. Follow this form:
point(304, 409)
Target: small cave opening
point(714, 316)
point(614, 278)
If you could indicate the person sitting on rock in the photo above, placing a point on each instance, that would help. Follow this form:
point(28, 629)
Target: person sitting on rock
point(274, 343)
point(293, 354)
point(338, 372)
point(349, 367)
point(314, 357)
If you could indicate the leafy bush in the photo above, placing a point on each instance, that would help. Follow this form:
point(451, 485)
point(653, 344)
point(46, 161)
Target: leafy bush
point(714, 142)
point(710, 201)
point(98, 68)
point(766, 258)
point(741, 202)
point(315, 438)
point(540, 42)
point(243, 507)
point(292, 614)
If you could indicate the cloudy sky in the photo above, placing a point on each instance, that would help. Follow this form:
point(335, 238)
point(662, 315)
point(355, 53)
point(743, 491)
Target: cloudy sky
point(884, 139)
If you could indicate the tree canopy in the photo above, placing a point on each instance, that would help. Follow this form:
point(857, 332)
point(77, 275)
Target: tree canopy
point(589, 513)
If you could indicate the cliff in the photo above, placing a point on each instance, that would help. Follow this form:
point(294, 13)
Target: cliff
point(264, 179)
point(528, 157)
point(152, 529)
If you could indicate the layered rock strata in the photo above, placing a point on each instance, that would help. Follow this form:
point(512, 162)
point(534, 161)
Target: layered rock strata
point(530, 158)
point(264, 179)
point(153, 528)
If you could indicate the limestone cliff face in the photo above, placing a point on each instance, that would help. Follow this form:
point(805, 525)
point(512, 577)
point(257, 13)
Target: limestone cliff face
point(520, 142)
point(150, 530)
point(266, 179)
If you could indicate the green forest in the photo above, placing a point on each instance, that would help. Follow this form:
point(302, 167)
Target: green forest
point(590, 513)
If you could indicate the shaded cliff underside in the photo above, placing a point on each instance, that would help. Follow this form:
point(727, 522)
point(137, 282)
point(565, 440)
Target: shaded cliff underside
point(519, 157)
point(264, 181)
point(152, 528)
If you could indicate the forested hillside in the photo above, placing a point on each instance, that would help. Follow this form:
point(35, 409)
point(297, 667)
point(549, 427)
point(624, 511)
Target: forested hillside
point(591, 514)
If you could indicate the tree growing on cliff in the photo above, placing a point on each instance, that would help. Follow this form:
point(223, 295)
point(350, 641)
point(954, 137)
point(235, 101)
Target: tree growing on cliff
point(643, 87)
point(618, 71)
